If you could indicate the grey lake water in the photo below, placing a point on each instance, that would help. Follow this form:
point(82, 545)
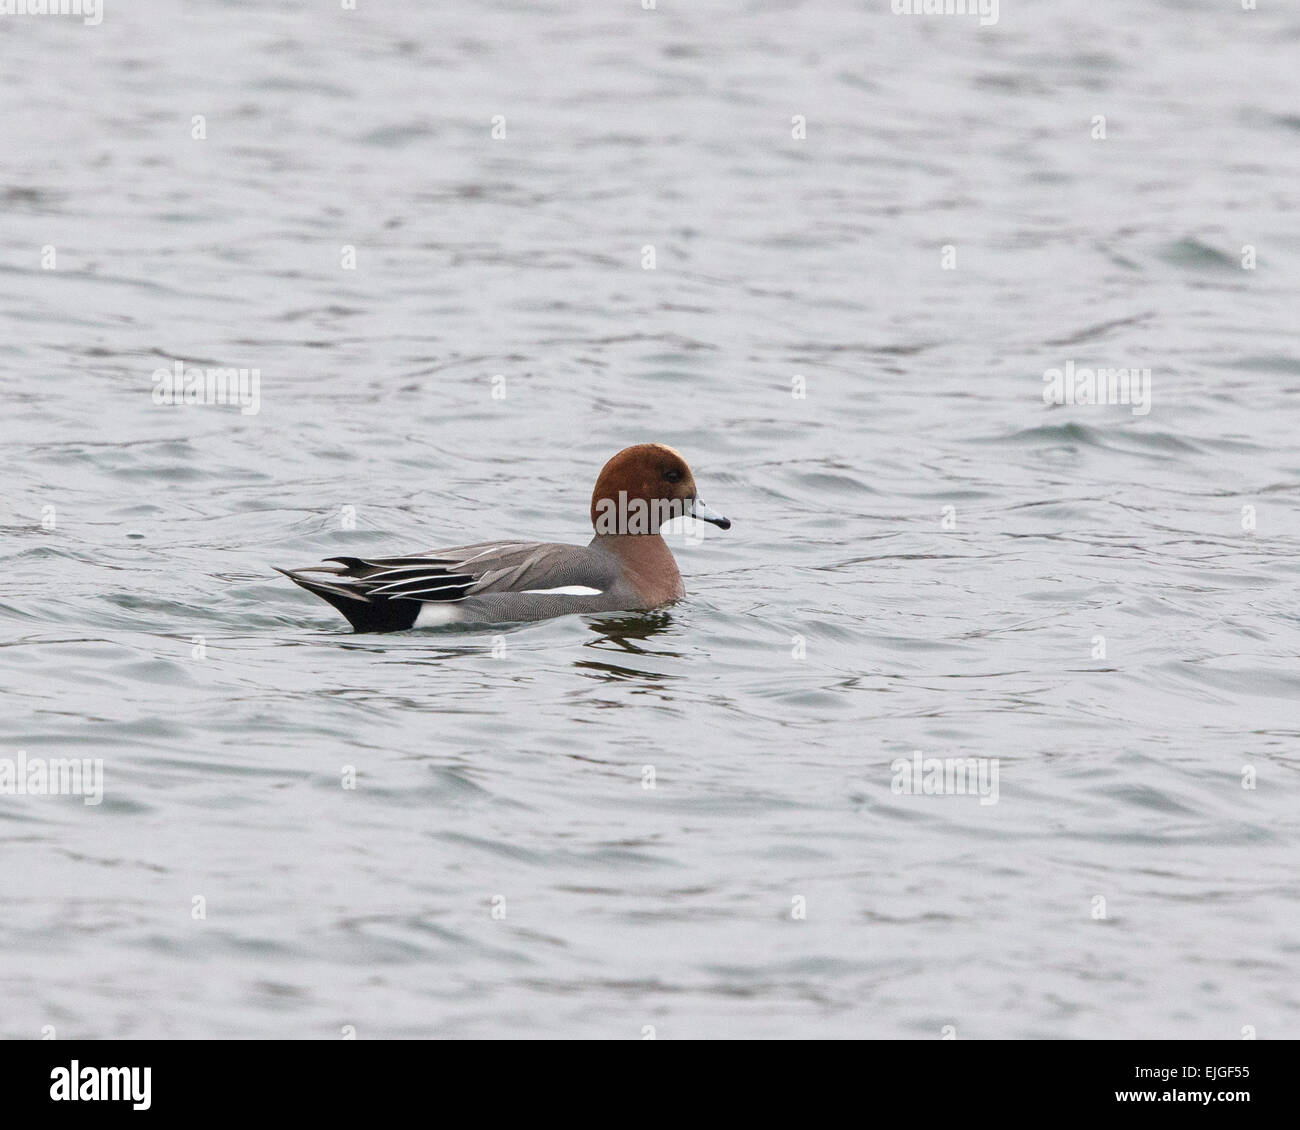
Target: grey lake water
point(833, 254)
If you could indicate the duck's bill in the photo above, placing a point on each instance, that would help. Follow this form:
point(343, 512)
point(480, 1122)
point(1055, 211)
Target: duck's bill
point(704, 514)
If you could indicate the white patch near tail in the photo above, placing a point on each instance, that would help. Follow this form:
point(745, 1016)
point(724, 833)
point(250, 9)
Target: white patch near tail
point(435, 614)
point(567, 590)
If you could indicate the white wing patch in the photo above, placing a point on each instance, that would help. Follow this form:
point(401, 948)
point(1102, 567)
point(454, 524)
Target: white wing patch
point(567, 590)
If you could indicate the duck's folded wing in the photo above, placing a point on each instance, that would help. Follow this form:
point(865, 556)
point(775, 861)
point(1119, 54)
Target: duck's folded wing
point(453, 574)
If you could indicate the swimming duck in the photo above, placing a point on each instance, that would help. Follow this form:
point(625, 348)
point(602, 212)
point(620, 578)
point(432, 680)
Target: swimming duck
point(626, 567)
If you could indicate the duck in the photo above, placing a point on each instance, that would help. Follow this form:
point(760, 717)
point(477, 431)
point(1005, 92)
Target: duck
point(626, 567)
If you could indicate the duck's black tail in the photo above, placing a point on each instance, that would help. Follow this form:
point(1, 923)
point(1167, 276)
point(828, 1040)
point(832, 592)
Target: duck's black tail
point(364, 612)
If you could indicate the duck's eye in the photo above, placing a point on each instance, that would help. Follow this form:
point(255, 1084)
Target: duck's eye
point(673, 476)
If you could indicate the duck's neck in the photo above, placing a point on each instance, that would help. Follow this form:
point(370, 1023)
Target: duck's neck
point(649, 561)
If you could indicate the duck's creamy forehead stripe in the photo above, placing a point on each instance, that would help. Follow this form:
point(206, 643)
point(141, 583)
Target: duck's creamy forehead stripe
point(567, 590)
